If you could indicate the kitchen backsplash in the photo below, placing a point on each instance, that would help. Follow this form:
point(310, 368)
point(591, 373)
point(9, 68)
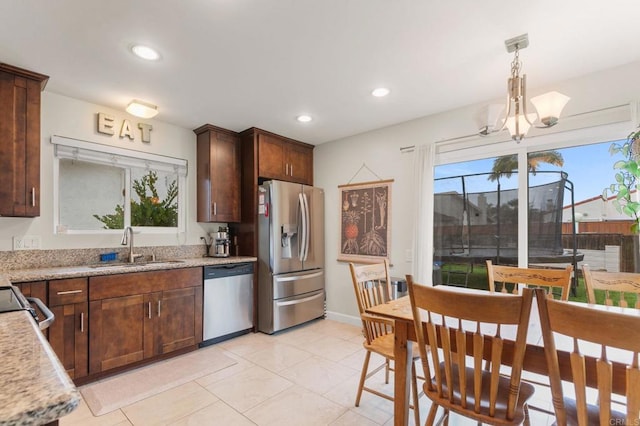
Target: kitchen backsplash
point(28, 259)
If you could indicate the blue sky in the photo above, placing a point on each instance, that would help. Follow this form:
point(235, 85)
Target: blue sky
point(589, 167)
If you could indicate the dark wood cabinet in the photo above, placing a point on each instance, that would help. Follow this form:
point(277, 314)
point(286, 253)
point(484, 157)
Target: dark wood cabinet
point(69, 333)
point(176, 319)
point(266, 156)
point(218, 175)
point(282, 159)
point(143, 314)
point(36, 289)
point(20, 141)
point(118, 333)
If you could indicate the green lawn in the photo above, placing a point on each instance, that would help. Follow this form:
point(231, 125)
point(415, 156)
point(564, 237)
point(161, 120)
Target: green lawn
point(477, 278)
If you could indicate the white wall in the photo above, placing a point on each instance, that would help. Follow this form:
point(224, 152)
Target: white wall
point(64, 116)
point(336, 162)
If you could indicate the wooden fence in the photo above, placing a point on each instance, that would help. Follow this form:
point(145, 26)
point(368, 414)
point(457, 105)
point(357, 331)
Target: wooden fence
point(605, 227)
point(629, 255)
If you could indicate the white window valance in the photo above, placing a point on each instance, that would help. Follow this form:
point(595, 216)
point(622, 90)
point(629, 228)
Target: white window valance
point(75, 149)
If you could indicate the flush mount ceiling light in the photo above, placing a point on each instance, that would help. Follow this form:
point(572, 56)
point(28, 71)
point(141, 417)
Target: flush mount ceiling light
point(380, 92)
point(145, 52)
point(516, 119)
point(304, 118)
point(142, 109)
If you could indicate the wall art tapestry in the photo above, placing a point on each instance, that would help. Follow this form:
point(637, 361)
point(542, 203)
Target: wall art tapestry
point(365, 230)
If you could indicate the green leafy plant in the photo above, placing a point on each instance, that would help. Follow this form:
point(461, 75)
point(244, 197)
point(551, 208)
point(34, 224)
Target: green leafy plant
point(507, 164)
point(149, 209)
point(626, 178)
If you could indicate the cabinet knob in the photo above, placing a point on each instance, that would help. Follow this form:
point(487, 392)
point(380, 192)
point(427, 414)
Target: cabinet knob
point(82, 322)
point(33, 197)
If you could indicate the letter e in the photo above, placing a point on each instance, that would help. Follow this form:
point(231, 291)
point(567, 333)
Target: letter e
point(105, 123)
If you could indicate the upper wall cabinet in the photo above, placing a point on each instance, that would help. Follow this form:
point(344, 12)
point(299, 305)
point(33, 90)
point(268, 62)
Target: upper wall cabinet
point(277, 157)
point(266, 155)
point(284, 159)
point(20, 141)
point(218, 174)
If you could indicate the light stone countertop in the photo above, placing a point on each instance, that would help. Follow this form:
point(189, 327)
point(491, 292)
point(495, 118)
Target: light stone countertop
point(35, 387)
point(112, 268)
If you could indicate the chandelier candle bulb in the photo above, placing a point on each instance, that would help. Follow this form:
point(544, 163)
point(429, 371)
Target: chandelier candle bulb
point(549, 106)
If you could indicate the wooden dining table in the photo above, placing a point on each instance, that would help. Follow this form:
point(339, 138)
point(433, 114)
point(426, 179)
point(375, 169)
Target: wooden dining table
point(399, 310)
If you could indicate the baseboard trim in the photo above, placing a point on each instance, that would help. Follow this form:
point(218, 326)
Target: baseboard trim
point(347, 319)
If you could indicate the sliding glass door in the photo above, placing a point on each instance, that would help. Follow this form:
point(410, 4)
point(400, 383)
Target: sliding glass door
point(526, 207)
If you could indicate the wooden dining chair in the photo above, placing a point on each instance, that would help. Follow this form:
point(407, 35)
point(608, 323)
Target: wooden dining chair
point(610, 332)
point(548, 279)
point(372, 286)
point(612, 283)
point(452, 352)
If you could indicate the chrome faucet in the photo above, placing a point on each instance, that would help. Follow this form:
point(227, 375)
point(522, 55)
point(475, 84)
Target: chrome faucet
point(127, 238)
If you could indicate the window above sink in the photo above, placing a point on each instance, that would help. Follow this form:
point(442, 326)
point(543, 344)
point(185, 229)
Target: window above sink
point(102, 189)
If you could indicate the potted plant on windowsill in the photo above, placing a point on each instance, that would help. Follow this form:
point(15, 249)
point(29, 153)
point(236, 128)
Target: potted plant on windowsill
point(627, 179)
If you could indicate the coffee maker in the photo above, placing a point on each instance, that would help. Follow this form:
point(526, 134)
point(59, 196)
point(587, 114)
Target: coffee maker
point(221, 242)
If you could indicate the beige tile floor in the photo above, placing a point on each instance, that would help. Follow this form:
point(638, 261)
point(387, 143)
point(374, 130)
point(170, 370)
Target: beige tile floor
point(303, 376)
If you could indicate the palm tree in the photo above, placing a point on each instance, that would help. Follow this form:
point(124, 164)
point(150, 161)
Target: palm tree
point(507, 164)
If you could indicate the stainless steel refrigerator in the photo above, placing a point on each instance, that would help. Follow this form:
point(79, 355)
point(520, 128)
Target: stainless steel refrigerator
point(290, 255)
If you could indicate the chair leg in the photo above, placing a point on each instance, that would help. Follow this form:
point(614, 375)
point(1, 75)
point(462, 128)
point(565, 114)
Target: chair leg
point(363, 376)
point(386, 371)
point(432, 415)
point(414, 388)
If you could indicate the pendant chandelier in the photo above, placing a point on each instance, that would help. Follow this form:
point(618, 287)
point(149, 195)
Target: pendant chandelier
point(516, 118)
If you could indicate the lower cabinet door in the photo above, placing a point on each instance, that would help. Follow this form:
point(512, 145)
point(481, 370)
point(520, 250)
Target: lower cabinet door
point(179, 314)
point(118, 334)
point(68, 336)
point(36, 289)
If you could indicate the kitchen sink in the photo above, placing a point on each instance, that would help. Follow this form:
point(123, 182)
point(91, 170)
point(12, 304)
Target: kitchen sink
point(156, 262)
point(133, 265)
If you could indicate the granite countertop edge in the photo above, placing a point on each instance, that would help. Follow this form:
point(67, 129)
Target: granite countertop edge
point(36, 388)
point(53, 273)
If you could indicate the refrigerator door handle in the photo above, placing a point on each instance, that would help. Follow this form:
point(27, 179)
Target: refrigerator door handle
point(298, 301)
point(305, 227)
point(307, 220)
point(299, 277)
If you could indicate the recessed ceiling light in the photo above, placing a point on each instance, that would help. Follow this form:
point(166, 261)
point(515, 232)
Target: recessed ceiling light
point(145, 52)
point(380, 92)
point(304, 118)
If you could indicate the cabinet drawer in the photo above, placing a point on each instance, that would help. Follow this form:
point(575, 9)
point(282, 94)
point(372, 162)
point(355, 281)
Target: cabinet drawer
point(63, 292)
point(132, 283)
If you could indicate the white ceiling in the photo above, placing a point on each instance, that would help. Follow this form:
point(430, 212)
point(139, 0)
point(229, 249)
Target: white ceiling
point(243, 63)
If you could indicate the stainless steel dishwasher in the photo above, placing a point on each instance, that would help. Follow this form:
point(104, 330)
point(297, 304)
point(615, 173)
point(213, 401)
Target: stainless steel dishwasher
point(228, 302)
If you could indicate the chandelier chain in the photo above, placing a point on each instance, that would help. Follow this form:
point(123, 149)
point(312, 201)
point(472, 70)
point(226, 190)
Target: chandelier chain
point(516, 64)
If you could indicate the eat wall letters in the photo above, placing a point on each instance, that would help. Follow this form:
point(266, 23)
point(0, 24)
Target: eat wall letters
point(107, 125)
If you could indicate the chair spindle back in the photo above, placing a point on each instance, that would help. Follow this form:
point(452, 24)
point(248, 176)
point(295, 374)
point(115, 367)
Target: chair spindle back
point(547, 279)
point(625, 285)
point(460, 331)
